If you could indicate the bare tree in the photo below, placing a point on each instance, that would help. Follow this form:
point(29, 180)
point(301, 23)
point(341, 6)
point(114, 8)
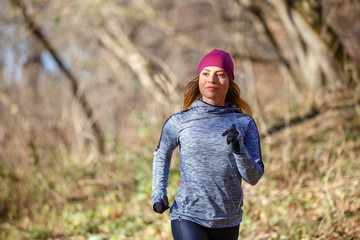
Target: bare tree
point(35, 29)
point(294, 46)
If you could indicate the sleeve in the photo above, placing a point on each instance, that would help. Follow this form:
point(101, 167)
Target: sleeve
point(249, 161)
point(169, 140)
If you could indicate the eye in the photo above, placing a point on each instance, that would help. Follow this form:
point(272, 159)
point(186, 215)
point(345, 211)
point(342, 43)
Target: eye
point(205, 74)
point(222, 75)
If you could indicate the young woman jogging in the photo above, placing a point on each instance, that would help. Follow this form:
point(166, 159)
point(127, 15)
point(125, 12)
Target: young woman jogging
point(219, 147)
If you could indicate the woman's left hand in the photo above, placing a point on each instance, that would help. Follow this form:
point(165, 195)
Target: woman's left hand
point(232, 137)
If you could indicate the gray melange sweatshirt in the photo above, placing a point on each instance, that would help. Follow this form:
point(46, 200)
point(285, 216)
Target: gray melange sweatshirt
point(210, 192)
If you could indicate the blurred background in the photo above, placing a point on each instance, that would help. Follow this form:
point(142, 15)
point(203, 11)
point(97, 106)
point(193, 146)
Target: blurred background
point(85, 87)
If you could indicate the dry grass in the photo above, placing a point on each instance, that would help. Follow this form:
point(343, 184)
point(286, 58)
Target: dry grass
point(310, 189)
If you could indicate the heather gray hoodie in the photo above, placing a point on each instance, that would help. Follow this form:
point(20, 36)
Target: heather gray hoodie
point(210, 192)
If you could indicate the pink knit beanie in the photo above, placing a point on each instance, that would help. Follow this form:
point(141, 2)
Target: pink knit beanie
point(218, 58)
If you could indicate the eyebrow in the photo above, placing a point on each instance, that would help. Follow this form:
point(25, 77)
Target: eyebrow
point(215, 71)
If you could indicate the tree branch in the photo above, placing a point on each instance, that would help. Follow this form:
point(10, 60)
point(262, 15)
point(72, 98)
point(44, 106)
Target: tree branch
point(35, 29)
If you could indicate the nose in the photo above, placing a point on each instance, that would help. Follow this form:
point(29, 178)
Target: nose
point(212, 78)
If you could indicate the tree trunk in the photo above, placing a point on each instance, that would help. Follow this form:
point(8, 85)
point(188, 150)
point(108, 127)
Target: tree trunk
point(80, 96)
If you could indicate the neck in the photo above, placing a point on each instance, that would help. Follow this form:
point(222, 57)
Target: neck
point(214, 102)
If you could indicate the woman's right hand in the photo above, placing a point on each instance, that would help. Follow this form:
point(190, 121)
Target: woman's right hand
point(160, 207)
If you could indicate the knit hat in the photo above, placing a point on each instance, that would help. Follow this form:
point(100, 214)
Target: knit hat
point(218, 58)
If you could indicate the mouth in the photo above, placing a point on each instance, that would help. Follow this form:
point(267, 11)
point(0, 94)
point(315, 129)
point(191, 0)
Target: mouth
point(211, 88)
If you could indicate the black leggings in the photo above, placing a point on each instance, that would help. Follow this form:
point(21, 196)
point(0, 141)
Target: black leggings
point(187, 230)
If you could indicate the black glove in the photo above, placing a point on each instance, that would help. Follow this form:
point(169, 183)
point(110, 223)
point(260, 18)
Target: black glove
point(232, 137)
point(160, 207)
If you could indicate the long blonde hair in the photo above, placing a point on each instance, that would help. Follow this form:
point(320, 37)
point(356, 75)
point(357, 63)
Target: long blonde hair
point(192, 93)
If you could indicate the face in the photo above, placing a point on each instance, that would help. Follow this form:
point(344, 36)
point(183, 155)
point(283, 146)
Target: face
point(213, 85)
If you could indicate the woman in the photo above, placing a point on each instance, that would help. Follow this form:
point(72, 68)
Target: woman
point(219, 146)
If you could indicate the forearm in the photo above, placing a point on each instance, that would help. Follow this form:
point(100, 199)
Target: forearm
point(250, 168)
point(161, 169)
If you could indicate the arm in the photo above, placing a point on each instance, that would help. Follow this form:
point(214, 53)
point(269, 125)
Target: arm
point(161, 164)
point(249, 160)
point(247, 152)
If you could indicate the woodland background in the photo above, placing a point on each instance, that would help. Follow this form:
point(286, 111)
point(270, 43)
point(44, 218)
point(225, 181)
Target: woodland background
point(85, 87)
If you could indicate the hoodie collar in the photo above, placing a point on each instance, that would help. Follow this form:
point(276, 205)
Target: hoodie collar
point(206, 107)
